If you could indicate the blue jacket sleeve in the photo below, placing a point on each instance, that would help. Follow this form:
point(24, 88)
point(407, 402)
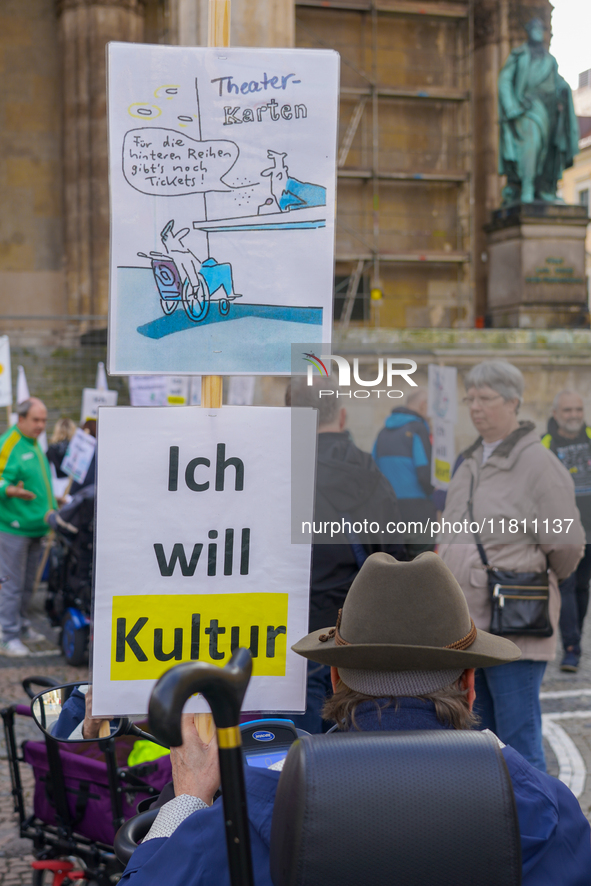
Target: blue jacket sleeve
point(555, 835)
point(195, 854)
point(72, 714)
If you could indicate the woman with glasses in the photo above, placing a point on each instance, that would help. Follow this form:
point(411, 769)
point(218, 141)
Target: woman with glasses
point(511, 506)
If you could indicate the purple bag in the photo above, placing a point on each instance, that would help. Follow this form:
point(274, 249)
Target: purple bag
point(87, 788)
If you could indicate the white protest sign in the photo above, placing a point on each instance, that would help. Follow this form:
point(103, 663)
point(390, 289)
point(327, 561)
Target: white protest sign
point(442, 407)
point(78, 456)
point(222, 177)
point(241, 390)
point(178, 390)
point(443, 393)
point(443, 456)
point(196, 383)
point(194, 553)
point(162, 390)
point(148, 390)
point(5, 374)
point(92, 398)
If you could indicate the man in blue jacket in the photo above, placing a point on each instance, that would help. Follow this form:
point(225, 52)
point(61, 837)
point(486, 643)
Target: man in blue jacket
point(402, 657)
point(402, 452)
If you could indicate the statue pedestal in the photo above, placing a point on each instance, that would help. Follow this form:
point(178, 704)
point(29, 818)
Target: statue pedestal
point(536, 266)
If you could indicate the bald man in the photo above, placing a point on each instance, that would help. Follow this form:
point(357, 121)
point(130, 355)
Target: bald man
point(26, 497)
point(570, 439)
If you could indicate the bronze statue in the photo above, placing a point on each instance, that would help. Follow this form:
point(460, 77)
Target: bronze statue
point(539, 132)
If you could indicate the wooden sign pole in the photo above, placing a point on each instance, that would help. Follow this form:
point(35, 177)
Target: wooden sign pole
point(218, 34)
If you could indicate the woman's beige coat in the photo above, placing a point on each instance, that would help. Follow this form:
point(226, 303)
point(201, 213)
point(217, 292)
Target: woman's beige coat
point(524, 481)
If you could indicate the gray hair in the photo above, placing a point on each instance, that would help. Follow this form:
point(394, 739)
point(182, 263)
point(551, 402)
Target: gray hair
point(416, 395)
point(501, 376)
point(22, 409)
point(556, 400)
point(300, 393)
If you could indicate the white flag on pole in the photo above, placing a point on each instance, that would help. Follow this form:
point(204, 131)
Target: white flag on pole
point(101, 383)
point(22, 388)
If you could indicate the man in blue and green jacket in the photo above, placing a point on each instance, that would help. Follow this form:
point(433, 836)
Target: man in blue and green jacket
point(26, 497)
point(402, 452)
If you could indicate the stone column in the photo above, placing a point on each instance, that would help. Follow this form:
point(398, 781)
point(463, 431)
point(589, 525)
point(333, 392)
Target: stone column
point(188, 22)
point(485, 146)
point(263, 23)
point(85, 27)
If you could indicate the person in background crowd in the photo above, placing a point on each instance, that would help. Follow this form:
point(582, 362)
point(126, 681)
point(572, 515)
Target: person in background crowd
point(348, 486)
point(26, 498)
point(402, 452)
point(507, 473)
point(569, 438)
point(63, 432)
point(402, 656)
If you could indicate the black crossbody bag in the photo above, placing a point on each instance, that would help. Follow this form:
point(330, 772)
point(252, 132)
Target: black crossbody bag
point(519, 600)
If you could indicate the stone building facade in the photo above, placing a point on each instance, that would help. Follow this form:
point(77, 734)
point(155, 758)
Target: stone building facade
point(417, 148)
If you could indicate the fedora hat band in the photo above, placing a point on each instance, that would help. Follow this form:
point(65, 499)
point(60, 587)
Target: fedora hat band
point(334, 633)
point(463, 643)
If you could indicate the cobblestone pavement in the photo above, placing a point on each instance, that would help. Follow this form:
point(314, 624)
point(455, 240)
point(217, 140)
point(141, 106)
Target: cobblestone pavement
point(566, 706)
point(566, 712)
point(15, 854)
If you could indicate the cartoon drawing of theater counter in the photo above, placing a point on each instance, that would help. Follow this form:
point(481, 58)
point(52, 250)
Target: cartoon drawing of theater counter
point(230, 210)
point(182, 278)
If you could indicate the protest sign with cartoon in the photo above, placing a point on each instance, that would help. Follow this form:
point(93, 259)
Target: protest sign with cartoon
point(222, 170)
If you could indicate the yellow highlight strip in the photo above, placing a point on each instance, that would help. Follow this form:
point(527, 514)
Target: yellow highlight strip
point(153, 632)
point(230, 737)
point(7, 448)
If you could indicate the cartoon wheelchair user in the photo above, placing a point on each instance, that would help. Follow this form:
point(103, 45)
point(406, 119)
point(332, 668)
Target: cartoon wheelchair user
point(182, 278)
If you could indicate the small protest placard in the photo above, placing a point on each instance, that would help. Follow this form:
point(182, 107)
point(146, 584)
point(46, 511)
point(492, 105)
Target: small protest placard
point(178, 390)
point(193, 552)
point(222, 171)
point(443, 457)
point(442, 407)
point(162, 390)
point(443, 393)
point(92, 398)
point(148, 390)
point(78, 456)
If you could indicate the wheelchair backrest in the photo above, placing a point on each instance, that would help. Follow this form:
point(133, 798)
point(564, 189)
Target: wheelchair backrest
point(430, 808)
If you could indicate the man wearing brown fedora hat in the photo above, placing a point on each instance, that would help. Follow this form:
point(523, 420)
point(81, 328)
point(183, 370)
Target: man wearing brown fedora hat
point(402, 657)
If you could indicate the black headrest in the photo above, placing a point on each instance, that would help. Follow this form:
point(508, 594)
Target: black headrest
point(430, 808)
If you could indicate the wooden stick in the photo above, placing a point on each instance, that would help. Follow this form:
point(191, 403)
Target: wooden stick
point(211, 391)
point(218, 34)
point(8, 415)
point(218, 30)
point(104, 729)
point(48, 543)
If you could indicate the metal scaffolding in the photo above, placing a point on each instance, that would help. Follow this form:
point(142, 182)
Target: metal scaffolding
point(370, 101)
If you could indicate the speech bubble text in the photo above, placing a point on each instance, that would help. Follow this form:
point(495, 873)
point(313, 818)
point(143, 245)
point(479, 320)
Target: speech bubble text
point(166, 163)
